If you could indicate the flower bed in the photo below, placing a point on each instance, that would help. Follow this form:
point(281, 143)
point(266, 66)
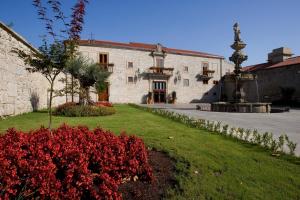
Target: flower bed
point(103, 104)
point(69, 163)
point(73, 110)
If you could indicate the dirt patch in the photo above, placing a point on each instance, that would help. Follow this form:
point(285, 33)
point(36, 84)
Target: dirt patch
point(164, 168)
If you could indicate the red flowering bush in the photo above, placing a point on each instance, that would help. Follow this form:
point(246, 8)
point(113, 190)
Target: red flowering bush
point(103, 104)
point(63, 107)
point(73, 110)
point(69, 163)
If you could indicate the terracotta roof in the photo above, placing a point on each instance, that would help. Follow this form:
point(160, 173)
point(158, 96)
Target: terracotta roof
point(268, 65)
point(145, 47)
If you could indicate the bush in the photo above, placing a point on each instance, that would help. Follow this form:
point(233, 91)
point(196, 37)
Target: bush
point(103, 104)
point(61, 109)
point(73, 110)
point(69, 163)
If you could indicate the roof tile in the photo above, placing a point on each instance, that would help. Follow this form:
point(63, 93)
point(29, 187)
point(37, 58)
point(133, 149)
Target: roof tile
point(147, 47)
point(285, 63)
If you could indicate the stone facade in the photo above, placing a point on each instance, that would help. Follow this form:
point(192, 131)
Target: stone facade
point(281, 72)
point(18, 87)
point(183, 79)
point(271, 81)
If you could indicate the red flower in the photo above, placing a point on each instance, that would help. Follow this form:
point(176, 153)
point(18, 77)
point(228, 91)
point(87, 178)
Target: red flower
point(103, 104)
point(73, 163)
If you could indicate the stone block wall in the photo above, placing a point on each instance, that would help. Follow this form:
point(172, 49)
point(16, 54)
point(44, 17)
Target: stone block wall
point(17, 86)
point(270, 82)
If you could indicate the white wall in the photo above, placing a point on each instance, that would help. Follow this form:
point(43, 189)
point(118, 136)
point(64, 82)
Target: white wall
point(123, 92)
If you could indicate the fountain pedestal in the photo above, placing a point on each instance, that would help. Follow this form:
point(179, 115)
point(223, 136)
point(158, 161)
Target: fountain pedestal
point(236, 85)
point(241, 107)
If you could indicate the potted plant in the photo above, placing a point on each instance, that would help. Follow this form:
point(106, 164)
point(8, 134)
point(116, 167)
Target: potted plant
point(174, 97)
point(149, 98)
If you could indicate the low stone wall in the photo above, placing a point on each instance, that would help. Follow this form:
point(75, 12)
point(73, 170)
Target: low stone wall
point(241, 107)
point(18, 87)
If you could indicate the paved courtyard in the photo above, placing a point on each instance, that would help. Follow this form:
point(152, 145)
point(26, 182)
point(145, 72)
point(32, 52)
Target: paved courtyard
point(277, 123)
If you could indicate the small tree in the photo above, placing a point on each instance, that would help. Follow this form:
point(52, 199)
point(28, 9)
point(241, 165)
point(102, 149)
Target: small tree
point(88, 74)
point(50, 61)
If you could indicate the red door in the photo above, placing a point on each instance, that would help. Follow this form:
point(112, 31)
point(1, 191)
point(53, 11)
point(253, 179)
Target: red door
point(104, 96)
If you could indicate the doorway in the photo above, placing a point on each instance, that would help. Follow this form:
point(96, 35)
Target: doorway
point(159, 91)
point(104, 95)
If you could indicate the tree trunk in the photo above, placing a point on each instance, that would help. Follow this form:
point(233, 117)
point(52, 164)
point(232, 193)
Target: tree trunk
point(72, 86)
point(81, 98)
point(87, 95)
point(81, 94)
point(50, 104)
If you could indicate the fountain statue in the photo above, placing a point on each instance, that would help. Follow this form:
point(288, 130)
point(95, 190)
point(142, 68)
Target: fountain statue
point(235, 98)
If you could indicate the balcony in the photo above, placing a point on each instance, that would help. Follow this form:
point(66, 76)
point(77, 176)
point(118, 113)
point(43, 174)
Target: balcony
point(107, 67)
point(206, 74)
point(160, 72)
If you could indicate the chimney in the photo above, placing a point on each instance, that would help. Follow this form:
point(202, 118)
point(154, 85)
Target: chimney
point(279, 55)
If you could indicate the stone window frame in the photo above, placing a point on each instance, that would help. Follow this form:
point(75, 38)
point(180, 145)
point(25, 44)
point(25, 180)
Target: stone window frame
point(186, 69)
point(159, 58)
point(186, 82)
point(103, 53)
point(128, 80)
point(131, 65)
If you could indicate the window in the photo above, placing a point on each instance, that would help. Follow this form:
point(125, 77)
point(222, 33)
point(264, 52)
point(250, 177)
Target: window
point(130, 79)
point(103, 58)
point(205, 81)
point(130, 65)
point(186, 82)
point(159, 85)
point(186, 69)
point(159, 62)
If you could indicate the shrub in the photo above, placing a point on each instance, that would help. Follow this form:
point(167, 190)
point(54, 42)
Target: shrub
point(291, 145)
point(73, 110)
point(265, 140)
point(61, 109)
point(103, 104)
point(69, 163)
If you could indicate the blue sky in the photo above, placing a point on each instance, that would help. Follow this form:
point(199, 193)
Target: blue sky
point(202, 25)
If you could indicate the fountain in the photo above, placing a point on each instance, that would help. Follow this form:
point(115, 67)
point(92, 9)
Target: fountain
point(234, 95)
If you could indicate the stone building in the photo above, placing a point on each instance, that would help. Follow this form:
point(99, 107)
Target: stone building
point(278, 79)
point(156, 74)
point(19, 89)
point(139, 71)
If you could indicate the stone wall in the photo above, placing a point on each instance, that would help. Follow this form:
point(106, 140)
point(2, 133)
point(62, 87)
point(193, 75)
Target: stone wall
point(271, 80)
point(123, 92)
point(17, 86)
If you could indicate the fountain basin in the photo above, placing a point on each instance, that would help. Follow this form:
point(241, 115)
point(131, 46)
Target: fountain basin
point(241, 107)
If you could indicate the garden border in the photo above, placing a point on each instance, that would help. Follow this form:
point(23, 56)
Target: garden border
point(265, 140)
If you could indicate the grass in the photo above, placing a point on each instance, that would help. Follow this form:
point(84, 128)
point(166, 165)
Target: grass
point(226, 169)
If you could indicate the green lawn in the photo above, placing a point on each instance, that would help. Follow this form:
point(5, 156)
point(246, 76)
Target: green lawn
point(227, 169)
